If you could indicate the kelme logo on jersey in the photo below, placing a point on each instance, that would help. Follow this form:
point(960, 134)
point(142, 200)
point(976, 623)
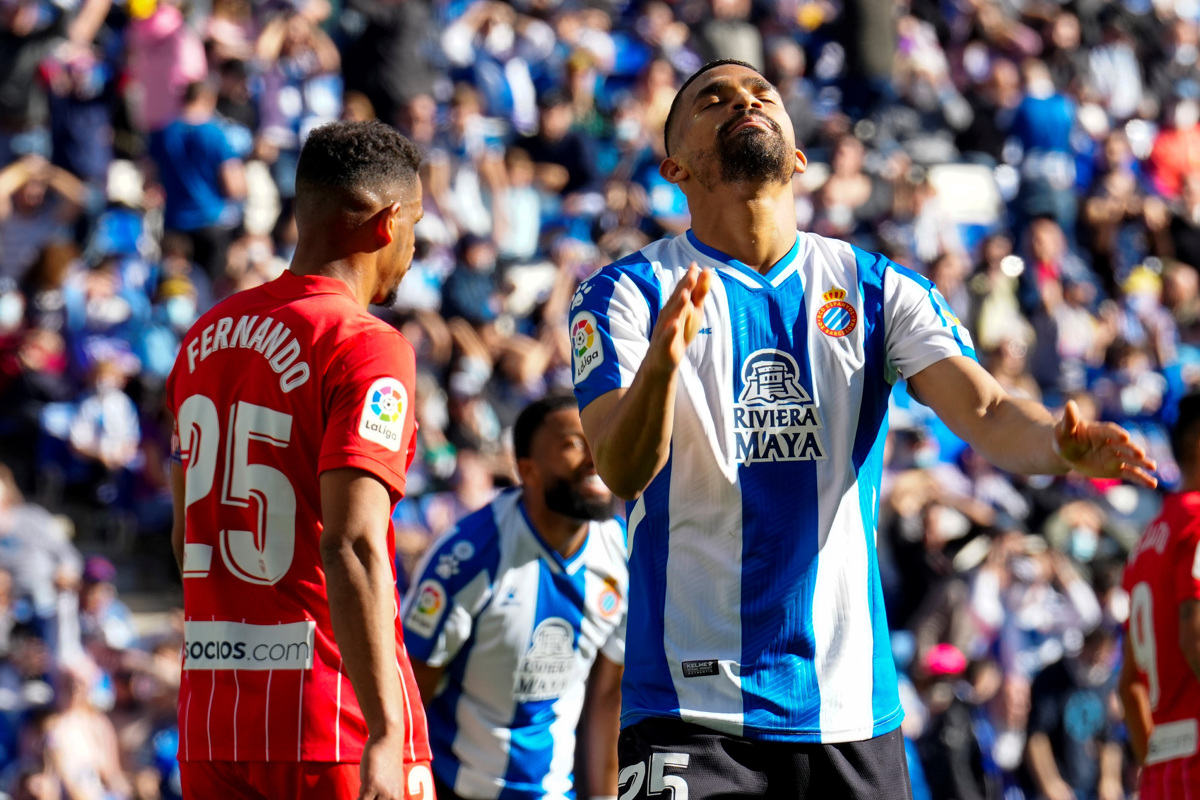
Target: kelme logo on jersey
point(383, 412)
point(427, 609)
point(585, 345)
point(547, 668)
point(837, 317)
point(775, 418)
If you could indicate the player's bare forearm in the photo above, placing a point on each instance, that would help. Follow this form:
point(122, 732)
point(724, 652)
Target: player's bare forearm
point(355, 507)
point(1015, 435)
point(629, 431)
point(1022, 436)
point(603, 727)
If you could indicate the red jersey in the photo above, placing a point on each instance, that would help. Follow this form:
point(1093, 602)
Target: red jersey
point(1164, 571)
point(272, 387)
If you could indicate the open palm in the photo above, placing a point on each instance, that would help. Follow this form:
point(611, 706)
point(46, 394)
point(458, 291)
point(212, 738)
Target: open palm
point(1101, 449)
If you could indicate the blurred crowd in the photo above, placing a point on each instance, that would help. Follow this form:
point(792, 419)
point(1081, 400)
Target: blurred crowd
point(1038, 160)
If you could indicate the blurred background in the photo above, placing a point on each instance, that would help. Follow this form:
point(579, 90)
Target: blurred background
point(1038, 160)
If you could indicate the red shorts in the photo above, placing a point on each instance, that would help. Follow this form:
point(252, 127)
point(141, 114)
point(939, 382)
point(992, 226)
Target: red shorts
point(288, 780)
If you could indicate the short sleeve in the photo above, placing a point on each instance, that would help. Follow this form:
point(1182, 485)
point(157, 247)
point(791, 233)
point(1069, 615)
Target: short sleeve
point(920, 329)
point(453, 584)
point(610, 324)
point(1186, 565)
point(219, 145)
point(369, 409)
point(614, 647)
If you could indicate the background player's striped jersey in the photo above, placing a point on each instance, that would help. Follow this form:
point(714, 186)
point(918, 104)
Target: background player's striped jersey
point(755, 600)
point(517, 628)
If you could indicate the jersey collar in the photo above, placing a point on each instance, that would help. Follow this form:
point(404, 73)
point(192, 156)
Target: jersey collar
point(745, 274)
point(289, 283)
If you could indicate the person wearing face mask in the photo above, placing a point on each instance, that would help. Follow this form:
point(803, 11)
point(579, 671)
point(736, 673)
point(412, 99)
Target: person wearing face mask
point(534, 584)
point(1072, 753)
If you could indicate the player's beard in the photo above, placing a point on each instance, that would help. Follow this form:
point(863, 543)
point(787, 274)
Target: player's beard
point(389, 299)
point(564, 498)
point(753, 155)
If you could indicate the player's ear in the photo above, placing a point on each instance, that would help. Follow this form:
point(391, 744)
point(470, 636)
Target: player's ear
point(526, 469)
point(672, 170)
point(801, 161)
point(387, 223)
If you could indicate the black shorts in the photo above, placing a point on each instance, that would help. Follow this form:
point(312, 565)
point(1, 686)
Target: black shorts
point(659, 756)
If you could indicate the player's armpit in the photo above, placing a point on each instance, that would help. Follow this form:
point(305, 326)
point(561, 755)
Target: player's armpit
point(1136, 699)
point(1189, 634)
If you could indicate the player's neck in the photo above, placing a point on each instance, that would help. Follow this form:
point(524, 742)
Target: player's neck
point(360, 277)
point(756, 228)
point(562, 533)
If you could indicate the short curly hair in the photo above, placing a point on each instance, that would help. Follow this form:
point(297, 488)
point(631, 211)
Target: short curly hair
point(357, 158)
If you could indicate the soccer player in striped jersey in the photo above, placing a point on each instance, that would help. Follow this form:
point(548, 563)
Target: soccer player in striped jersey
point(1160, 674)
point(734, 387)
point(518, 612)
point(294, 432)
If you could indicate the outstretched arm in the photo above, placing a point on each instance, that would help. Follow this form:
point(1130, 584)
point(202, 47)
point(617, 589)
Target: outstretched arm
point(629, 430)
point(1021, 436)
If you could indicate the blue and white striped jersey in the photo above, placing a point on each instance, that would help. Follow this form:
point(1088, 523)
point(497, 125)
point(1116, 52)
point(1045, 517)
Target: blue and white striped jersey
point(517, 628)
point(755, 602)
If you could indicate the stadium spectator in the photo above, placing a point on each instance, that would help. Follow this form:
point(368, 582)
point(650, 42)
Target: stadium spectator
point(202, 179)
point(38, 204)
point(1072, 751)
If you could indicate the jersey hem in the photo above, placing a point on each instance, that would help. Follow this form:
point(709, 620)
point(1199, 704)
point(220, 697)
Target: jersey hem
point(753, 732)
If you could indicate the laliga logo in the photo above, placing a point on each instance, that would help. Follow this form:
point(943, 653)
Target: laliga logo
point(429, 601)
point(385, 404)
point(837, 317)
point(585, 345)
point(584, 336)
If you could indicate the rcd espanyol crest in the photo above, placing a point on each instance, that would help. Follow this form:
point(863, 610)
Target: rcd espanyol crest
point(837, 317)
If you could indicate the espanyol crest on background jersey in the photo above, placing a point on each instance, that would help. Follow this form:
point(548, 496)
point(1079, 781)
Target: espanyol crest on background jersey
point(755, 604)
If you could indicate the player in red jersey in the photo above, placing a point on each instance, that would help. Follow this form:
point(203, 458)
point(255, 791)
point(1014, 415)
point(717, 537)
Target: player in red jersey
point(295, 427)
point(1160, 676)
